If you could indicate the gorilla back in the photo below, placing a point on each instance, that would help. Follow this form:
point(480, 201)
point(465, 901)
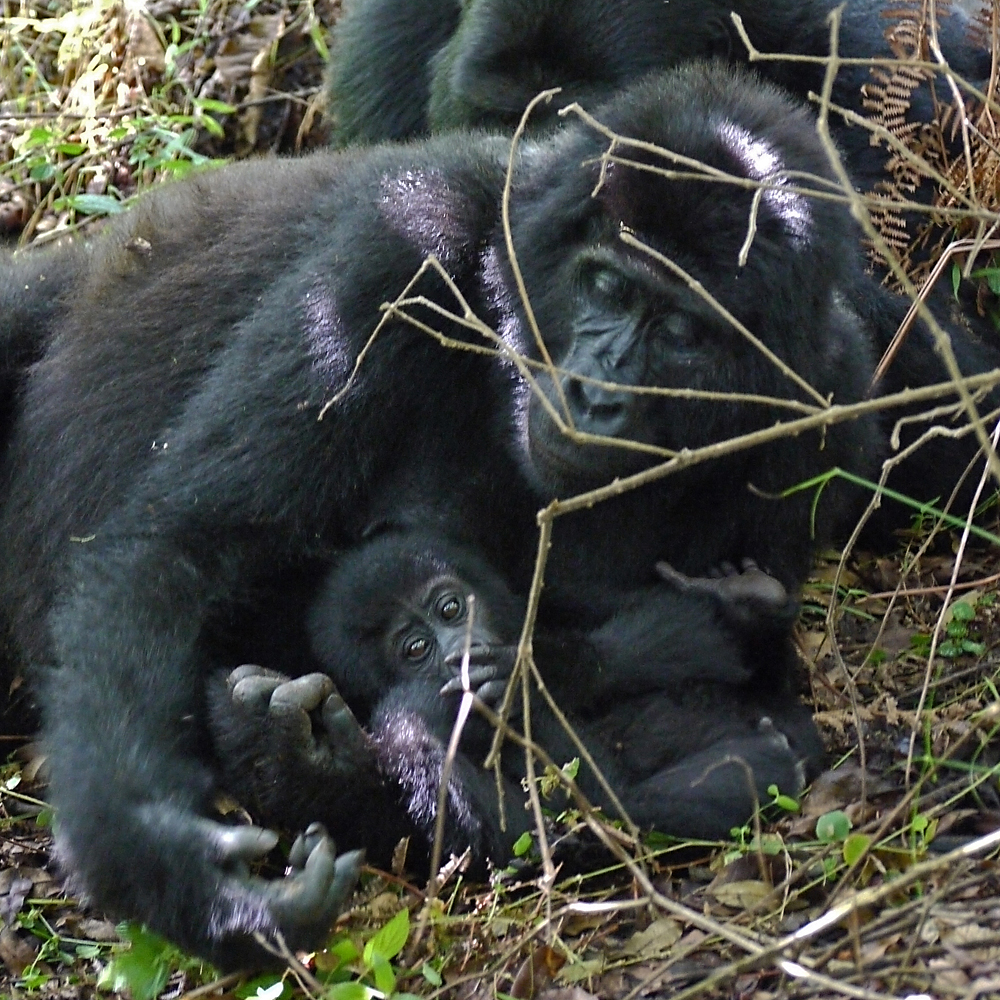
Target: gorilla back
point(168, 460)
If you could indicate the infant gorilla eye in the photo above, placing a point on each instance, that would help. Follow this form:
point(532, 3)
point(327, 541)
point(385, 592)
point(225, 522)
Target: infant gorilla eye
point(417, 648)
point(450, 607)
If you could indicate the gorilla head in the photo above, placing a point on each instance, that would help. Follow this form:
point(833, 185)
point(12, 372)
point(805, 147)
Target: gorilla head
point(614, 317)
point(397, 609)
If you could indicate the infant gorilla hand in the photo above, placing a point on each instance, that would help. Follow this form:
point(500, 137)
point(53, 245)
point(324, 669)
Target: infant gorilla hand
point(490, 667)
point(747, 594)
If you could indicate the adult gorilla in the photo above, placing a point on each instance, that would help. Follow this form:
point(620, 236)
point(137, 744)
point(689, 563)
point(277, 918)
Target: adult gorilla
point(168, 478)
point(480, 63)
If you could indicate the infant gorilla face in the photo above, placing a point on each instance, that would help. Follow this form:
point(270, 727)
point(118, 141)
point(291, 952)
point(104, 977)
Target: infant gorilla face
point(434, 627)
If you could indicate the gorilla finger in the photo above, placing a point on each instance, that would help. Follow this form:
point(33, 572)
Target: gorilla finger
point(339, 721)
point(493, 691)
point(245, 670)
point(304, 693)
point(345, 879)
point(306, 896)
point(255, 692)
point(305, 843)
point(478, 676)
point(667, 573)
point(774, 736)
point(237, 843)
point(754, 584)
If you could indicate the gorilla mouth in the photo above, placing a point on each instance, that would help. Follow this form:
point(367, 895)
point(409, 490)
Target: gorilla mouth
point(558, 458)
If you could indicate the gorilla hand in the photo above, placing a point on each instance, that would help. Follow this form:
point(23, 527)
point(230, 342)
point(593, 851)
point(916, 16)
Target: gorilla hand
point(708, 793)
point(490, 667)
point(747, 595)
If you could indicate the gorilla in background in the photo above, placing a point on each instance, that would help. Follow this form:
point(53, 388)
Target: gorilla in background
point(168, 478)
point(481, 62)
point(390, 627)
point(380, 68)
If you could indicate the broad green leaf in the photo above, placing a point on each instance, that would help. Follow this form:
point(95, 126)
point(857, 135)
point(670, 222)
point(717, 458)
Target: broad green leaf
point(431, 974)
point(833, 826)
point(94, 204)
point(390, 940)
point(855, 846)
point(385, 978)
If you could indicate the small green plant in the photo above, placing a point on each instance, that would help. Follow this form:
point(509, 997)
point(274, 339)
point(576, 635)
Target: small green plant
point(785, 802)
point(361, 975)
point(145, 965)
point(959, 640)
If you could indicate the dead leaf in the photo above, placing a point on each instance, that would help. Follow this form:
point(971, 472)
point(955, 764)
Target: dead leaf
point(15, 952)
point(535, 973)
point(657, 939)
point(576, 972)
point(741, 895)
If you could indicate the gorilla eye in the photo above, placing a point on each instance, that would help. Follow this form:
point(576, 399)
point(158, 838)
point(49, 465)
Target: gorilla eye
point(680, 327)
point(449, 607)
point(416, 649)
point(611, 286)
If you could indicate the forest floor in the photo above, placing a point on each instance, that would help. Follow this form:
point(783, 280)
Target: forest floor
point(865, 887)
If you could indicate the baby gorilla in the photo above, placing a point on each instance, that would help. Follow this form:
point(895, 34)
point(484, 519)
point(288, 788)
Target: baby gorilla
point(391, 627)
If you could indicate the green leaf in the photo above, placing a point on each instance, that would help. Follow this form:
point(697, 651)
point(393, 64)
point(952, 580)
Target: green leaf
point(348, 991)
point(319, 42)
point(208, 104)
point(267, 987)
point(431, 974)
point(833, 826)
point(210, 125)
point(391, 939)
point(572, 769)
point(345, 950)
point(522, 845)
point(42, 172)
point(992, 276)
point(855, 846)
point(956, 278)
point(385, 978)
point(963, 611)
point(144, 977)
point(94, 204)
point(37, 137)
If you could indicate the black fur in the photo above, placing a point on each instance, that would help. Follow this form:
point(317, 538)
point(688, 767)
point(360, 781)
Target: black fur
point(380, 75)
point(487, 60)
point(168, 480)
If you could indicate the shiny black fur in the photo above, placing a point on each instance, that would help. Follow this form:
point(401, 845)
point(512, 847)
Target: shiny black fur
point(390, 627)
